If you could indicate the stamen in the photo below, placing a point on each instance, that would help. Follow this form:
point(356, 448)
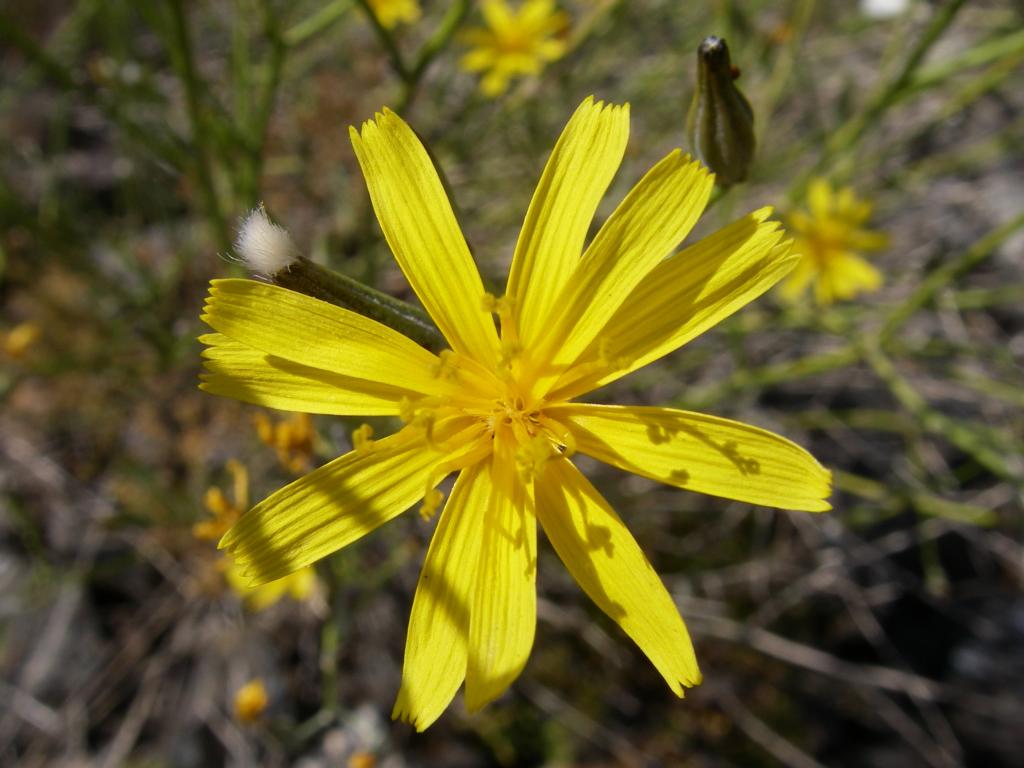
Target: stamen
point(505, 308)
point(361, 438)
point(432, 500)
point(470, 450)
point(447, 366)
point(560, 433)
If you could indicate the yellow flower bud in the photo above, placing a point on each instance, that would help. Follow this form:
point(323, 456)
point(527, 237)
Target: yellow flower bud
point(251, 701)
point(720, 125)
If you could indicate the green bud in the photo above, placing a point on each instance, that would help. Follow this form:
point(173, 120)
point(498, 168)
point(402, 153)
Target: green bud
point(720, 125)
point(267, 249)
point(310, 278)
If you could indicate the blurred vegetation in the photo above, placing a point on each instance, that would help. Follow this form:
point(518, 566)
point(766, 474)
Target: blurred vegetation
point(889, 632)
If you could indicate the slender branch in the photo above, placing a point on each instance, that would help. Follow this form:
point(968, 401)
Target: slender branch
point(944, 275)
point(183, 58)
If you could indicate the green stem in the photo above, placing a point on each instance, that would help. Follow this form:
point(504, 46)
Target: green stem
point(321, 283)
point(317, 22)
point(850, 133)
point(1004, 46)
point(183, 59)
point(742, 381)
point(984, 446)
point(847, 136)
point(257, 131)
point(164, 147)
point(438, 42)
point(390, 46)
point(945, 275)
point(924, 503)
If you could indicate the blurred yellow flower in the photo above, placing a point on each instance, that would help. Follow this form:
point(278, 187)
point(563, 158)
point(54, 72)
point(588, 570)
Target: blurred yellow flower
point(498, 407)
point(829, 237)
point(513, 43)
point(16, 342)
point(362, 760)
point(224, 511)
point(251, 701)
point(391, 13)
point(291, 438)
point(299, 586)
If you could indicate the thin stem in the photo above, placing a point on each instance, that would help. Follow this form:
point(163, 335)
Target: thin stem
point(943, 276)
point(982, 445)
point(182, 56)
point(316, 23)
point(390, 46)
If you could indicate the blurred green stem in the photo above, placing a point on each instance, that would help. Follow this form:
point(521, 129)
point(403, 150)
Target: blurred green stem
point(983, 445)
point(846, 138)
point(163, 147)
point(183, 60)
point(944, 275)
point(894, 501)
point(317, 22)
point(412, 76)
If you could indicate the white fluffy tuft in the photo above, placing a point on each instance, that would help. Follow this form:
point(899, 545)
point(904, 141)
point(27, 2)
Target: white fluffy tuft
point(265, 247)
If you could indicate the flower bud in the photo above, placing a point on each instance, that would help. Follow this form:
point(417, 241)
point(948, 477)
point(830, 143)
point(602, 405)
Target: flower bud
point(720, 125)
point(267, 249)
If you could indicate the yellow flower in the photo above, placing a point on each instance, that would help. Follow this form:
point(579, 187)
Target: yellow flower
point(829, 237)
point(497, 407)
point(513, 43)
point(251, 701)
point(299, 586)
point(291, 439)
point(391, 13)
point(224, 511)
point(16, 342)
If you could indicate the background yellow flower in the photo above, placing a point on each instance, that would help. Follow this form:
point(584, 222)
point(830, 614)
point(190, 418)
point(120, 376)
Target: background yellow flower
point(391, 13)
point(251, 701)
point(299, 585)
point(830, 237)
point(514, 42)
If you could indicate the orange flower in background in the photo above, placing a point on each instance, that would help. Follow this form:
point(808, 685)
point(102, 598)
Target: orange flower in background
point(291, 438)
point(16, 342)
point(224, 510)
point(498, 408)
point(251, 701)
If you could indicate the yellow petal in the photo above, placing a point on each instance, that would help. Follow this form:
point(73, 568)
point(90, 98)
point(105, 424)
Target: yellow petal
point(319, 335)
point(795, 284)
point(652, 220)
point(700, 453)
point(332, 506)
point(607, 563)
point(420, 226)
point(435, 648)
point(246, 374)
point(496, 13)
point(851, 275)
point(821, 198)
point(503, 607)
point(576, 176)
point(681, 298)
